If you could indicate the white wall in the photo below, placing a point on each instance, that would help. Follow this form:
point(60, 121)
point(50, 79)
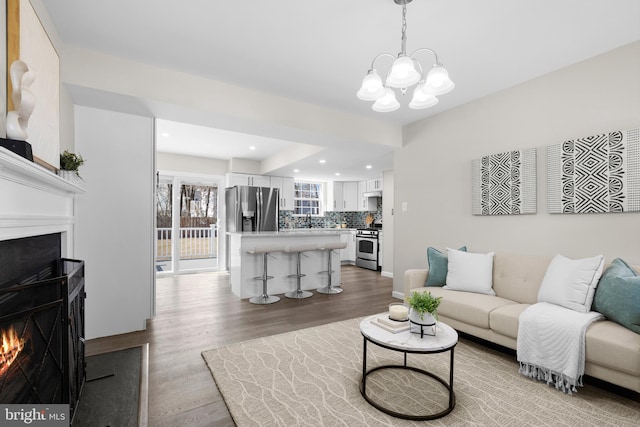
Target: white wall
point(188, 98)
point(244, 166)
point(387, 222)
point(433, 169)
point(66, 121)
point(191, 164)
point(114, 229)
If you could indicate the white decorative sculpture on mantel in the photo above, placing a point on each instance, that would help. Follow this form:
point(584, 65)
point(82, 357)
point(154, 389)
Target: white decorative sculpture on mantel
point(23, 101)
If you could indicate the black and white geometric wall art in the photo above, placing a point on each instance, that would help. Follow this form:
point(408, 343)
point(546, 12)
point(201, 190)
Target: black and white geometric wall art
point(504, 183)
point(595, 174)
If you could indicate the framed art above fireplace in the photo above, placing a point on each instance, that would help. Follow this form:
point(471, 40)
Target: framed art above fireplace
point(28, 41)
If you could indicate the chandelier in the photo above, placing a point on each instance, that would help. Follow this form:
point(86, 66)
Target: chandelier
point(405, 72)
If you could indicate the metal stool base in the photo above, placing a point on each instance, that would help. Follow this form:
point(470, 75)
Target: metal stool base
point(298, 294)
point(329, 290)
point(264, 299)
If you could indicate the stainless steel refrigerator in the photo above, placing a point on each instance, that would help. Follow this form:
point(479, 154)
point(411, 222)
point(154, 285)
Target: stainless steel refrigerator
point(251, 208)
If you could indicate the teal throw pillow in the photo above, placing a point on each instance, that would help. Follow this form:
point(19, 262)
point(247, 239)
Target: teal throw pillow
point(438, 269)
point(618, 295)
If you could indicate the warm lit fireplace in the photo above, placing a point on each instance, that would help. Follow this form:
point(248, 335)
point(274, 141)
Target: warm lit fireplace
point(41, 288)
point(41, 323)
point(10, 348)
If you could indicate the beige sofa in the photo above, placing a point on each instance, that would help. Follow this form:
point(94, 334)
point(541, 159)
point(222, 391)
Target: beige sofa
point(612, 351)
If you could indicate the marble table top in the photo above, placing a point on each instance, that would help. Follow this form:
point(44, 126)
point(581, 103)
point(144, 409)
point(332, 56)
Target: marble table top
point(445, 337)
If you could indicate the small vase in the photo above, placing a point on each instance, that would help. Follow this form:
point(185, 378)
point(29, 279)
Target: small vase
point(427, 318)
point(70, 176)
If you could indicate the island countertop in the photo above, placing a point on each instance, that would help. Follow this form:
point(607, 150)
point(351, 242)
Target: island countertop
point(287, 232)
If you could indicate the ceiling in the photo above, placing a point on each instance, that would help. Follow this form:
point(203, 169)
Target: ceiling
point(340, 162)
point(319, 52)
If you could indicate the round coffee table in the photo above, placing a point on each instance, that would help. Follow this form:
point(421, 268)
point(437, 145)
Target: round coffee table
point(445, 339)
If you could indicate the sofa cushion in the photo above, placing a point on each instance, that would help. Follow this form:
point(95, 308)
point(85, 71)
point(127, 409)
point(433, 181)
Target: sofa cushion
point(618, 295)
point(467, 307)
point(504, 320)
point(470, 272)
point(438, 263)
point(571, 283)
point(613, 346)
point(518, 277)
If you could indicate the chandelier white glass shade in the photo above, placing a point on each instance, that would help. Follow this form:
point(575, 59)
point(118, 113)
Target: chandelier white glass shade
point(405, 72)
point(372, 87)
point(386, 102)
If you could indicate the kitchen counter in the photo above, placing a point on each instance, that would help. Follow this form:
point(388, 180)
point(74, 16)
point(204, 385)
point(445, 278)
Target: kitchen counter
point(244, 267)
point(294, 231)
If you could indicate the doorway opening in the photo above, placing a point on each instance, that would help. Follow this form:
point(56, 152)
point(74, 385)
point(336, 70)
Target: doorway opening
point(186, 225)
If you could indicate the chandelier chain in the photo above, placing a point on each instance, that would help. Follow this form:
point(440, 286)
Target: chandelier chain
point(404, 28)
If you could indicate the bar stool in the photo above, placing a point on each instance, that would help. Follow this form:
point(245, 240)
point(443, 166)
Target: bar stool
point(298, 250)
point(330, 247)
point(265, 251)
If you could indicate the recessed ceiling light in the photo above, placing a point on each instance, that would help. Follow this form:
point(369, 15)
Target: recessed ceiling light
point(368, 166)
point(252, 147)
point(165, 134)
point(296, 170)
point(323, 161)
point(337, 173)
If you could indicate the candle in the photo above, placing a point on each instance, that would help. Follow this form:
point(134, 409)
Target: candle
point(398, 312)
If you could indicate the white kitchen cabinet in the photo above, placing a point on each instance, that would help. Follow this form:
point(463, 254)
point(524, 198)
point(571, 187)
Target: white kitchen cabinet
point(374, 184)
point(362, 201)
point(248, 179)
point(366, 204)
point(344, 255)
point(350, 197)
point(348, 254)
point(335, 200)
point(351, 246)
point(285, 187)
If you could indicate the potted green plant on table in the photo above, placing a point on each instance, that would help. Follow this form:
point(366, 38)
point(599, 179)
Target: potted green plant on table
point(70, 163)
point(423, 308)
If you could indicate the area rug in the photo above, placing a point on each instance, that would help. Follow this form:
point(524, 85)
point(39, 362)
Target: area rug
point(311, 377)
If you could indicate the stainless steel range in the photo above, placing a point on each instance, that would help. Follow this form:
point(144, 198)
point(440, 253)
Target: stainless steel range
point(367, 248)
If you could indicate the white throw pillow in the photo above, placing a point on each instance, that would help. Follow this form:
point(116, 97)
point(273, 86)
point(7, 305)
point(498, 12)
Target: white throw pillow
point(470, 272)
point(571, 283)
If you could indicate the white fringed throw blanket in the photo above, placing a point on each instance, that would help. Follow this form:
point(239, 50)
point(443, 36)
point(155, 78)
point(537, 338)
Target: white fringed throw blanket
point(551, 344)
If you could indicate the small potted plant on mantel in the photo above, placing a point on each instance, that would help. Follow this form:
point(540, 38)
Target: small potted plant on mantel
point(423, 308)
point(69, 165)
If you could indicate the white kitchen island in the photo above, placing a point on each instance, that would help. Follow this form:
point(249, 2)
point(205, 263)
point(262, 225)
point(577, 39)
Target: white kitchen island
point(245, 268)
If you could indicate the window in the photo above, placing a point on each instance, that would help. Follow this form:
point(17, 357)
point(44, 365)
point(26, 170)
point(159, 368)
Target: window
point(307, 198)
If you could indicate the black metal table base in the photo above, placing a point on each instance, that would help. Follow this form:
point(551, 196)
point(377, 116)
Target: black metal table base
point(449, 386)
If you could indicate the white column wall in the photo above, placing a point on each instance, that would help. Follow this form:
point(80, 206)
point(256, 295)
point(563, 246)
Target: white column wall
point(115, 223)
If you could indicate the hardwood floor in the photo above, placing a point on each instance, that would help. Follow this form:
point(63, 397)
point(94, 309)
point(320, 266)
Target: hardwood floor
point(197, 312)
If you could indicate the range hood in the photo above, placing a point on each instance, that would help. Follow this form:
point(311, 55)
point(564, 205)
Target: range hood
point(369, 194)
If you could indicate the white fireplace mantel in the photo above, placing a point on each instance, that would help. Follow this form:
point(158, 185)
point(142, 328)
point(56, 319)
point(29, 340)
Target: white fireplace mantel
point(35, 201)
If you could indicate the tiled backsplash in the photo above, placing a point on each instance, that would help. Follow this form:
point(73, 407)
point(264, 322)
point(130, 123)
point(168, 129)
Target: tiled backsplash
point(330, 219)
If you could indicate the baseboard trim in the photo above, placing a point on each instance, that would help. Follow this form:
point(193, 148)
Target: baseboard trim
point(143, 405)
point(386, 274)
point(398, 295)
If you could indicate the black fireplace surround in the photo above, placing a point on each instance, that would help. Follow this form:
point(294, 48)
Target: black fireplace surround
point(41, 323)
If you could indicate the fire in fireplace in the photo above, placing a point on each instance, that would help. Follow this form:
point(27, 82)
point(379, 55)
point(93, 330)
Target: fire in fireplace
point(41, 323)
point(10, 349)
